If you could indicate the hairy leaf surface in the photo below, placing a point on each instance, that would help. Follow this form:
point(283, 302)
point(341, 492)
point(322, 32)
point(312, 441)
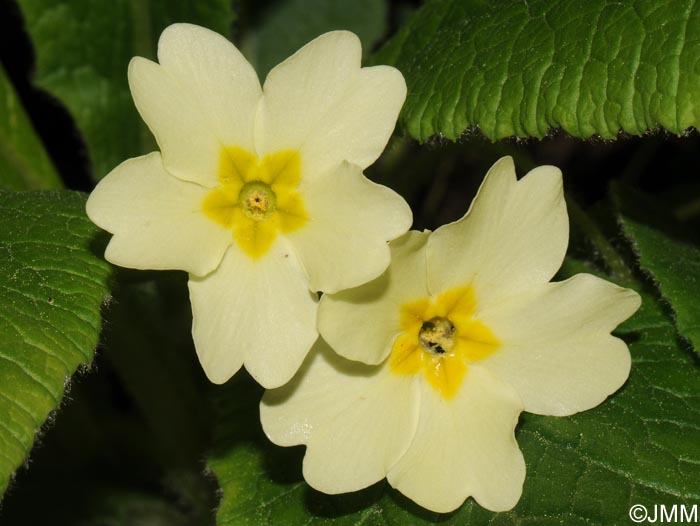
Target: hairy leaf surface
point(52, 285)
point(671, 258)
point(521, 68)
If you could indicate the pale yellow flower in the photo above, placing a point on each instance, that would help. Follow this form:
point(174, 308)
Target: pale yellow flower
point(257, 192)
point(467, 331)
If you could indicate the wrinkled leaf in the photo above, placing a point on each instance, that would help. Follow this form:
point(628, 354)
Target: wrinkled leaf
point(83, 49)
point(590, 67)
point(642, 446)
point(24, 164)
point(287, 25)
point(666, 254)
point(52, 285)
point(107, 447)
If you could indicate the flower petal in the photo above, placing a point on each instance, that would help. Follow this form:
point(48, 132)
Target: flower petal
point(556, 346)
point(357, 420)
point(464, 446)
point(256, 311)
point(362, 323)
point(321, 103)
point(157, 220)
point(200, 98)
point(350, 220)
point(255, 237)
point(515, 234)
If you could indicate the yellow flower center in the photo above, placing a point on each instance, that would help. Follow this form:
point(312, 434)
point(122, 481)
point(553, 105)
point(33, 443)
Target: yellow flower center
point(437, 335)
point(439, 338)
point(257, 198)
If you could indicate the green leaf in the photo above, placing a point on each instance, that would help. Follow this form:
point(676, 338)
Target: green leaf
point(83, 49)
point(24, 164)
point(589, 67)
point(288, 25)
point(665, 253)
point(106, 452)
point(642, 446)
point(52, 285)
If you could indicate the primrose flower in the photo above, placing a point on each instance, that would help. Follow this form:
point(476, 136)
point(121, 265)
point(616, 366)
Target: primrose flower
point(257, 192)
point(467, 332)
